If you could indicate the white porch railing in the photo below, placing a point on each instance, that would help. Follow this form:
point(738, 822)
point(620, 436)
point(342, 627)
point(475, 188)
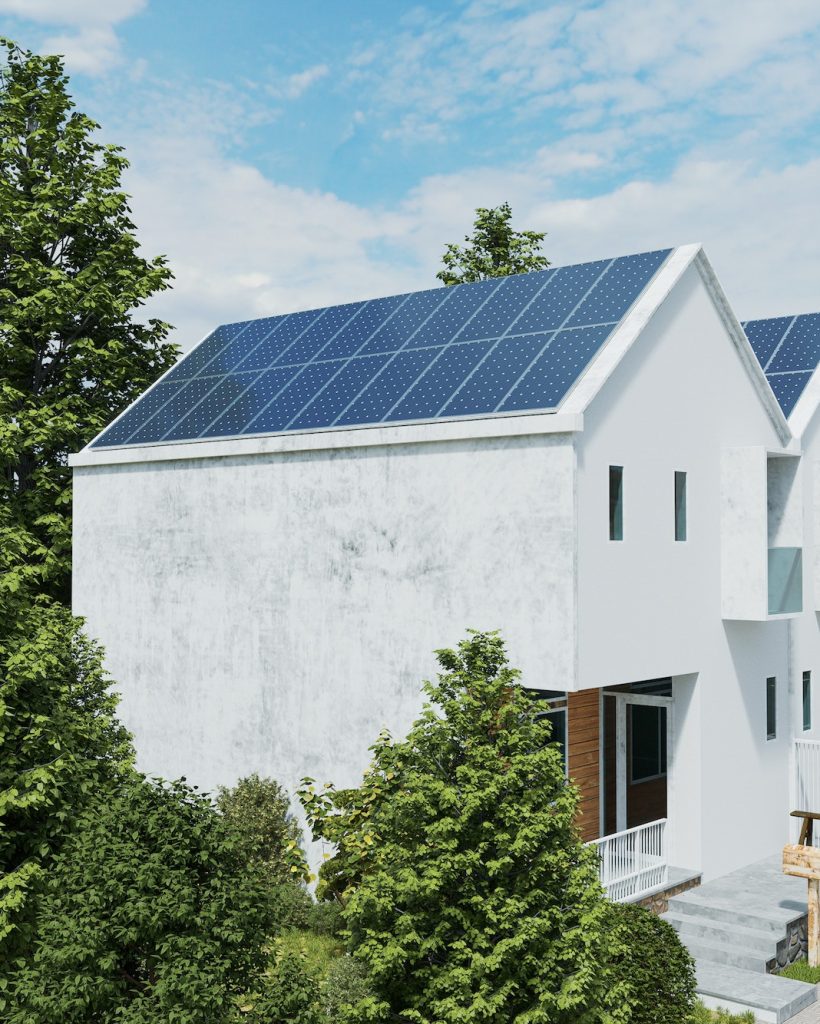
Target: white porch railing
point(634, 861)
point(807, 782)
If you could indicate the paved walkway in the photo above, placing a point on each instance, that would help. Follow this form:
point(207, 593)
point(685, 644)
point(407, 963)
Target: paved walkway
point(811, 1015)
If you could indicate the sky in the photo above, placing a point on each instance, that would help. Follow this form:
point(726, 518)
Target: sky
point(292, 155)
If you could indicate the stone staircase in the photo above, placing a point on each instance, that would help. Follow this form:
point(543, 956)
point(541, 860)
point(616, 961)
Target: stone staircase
point(741, 927)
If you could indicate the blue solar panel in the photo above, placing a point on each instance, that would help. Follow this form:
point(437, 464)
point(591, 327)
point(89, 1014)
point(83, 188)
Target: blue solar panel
point(801, 346)
point(765, 336)
point(435, 386)
point(379, 397)
point(504, 306)
point(278, 340)
point(556, 369)
point(501, 345)
point(262, 390)
point(494, 376)
point(204, 352)
point(788, 387)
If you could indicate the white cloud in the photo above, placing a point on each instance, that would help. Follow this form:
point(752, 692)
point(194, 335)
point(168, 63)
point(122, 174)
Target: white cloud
point(303, 80)
point(89, 43)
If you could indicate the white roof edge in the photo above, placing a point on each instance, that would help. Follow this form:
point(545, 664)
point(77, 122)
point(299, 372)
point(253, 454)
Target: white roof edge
point(613, 351)
point(510, 425)
point(805, 409)
point(745, 350)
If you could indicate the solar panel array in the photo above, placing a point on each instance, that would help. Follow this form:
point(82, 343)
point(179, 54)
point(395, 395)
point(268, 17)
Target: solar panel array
point(788, 349)
point(504, 345)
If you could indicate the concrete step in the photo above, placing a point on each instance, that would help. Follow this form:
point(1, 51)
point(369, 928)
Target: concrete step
point(703, 928)
point(775, 924)
point(731, 956)
point(773, 1000)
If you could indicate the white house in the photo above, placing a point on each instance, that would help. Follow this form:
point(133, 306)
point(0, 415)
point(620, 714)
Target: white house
point(274, 539)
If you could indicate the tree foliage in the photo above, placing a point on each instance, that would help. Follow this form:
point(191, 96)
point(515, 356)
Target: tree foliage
point(149, 914)
point(71, 278)
point(60, 743)
point(466, 889)
point(493, 250)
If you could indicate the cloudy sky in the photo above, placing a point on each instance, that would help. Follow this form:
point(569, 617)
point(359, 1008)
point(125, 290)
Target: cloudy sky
point(287, 155)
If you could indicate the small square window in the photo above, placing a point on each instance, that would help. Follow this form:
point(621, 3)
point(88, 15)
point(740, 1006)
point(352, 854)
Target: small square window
point(616, 503)
point(771, 708)
point(680, 506)
point(806, 701)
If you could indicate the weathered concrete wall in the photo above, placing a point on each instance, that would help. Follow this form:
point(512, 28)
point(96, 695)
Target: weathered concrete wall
point(272, 612)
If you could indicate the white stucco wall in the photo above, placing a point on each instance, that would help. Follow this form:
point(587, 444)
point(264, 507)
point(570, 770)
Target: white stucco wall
point(272, 612)
point(651, 607)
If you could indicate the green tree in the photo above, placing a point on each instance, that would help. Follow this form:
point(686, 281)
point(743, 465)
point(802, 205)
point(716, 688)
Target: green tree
point(71, 280)
point(149, 914)
point(493, 250)
point(466, 889)
point(60, 743)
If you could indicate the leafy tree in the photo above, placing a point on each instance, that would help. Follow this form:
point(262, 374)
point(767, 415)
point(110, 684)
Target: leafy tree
point(466, 889)
point(60, 743)
point(71, 278)
point(149, 914)
point(493, 250)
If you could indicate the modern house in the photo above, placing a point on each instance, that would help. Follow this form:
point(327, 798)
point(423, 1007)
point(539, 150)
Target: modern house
point(596, 459)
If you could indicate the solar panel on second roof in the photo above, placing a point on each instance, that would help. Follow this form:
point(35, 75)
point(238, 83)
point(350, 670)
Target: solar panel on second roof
point(788, 350)
point(496, 346)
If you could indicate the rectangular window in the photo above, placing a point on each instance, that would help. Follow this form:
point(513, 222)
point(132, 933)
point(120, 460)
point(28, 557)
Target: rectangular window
point(771, 708)
point(616, 502)
point(648, 728)
point(680, 506)
point(806, 701)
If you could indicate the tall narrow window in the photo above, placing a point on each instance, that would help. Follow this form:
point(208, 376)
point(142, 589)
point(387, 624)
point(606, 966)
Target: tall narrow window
point(806, 701)
point(680, 506)
point(771, 708)
point(616, 502)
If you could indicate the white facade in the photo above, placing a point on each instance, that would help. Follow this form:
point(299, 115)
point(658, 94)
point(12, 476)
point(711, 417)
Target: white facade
point(270, 604)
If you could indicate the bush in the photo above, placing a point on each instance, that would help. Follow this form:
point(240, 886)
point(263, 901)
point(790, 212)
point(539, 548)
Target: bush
point(653, 963)
point(466, 890)
point(258, 809)
point(325, 918)
point(346, 984)
point(290, 994)
point(149, 914)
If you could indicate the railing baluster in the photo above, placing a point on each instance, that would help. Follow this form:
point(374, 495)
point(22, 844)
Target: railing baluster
point(633, 861)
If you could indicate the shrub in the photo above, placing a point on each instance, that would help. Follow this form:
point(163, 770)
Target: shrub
point(149, 914)
point(325, 918)
point(346, 984)
point(290, 994)
point(466, 890)
point(258, 809)
point(653, 963)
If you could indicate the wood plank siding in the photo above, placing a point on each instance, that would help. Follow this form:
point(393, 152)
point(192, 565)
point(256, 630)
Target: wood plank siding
point(583, 714)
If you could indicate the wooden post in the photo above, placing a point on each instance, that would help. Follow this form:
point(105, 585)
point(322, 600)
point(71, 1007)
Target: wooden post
point(803, 860)
point(814, 922)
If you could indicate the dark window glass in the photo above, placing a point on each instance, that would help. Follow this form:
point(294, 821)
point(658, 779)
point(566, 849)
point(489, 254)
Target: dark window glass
point(559, 732)
point(771, 708)
point(680, 506)
point(806, 701)
point(616, 503)
point(648, 742)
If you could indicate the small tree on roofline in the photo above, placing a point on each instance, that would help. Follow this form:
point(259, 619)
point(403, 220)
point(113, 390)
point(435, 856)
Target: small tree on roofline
point(465, 887)
point(493, 250)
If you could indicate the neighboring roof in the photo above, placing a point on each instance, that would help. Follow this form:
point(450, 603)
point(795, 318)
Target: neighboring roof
point(788, 349)
point(496, 347)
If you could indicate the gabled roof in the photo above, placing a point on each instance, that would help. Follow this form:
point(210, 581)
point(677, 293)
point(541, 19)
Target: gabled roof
point(788, 350)
point(503, 346)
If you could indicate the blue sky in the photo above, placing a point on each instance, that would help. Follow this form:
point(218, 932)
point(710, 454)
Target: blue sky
point(287, 155)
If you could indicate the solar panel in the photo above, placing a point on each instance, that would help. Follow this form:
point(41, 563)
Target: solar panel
point(502, 345)
point(788, 349)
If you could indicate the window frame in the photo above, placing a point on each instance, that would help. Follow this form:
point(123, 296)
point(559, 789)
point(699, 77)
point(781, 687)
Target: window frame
point(806, 705)
point(681, 528)
point(771, 708)
point(616, 503)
